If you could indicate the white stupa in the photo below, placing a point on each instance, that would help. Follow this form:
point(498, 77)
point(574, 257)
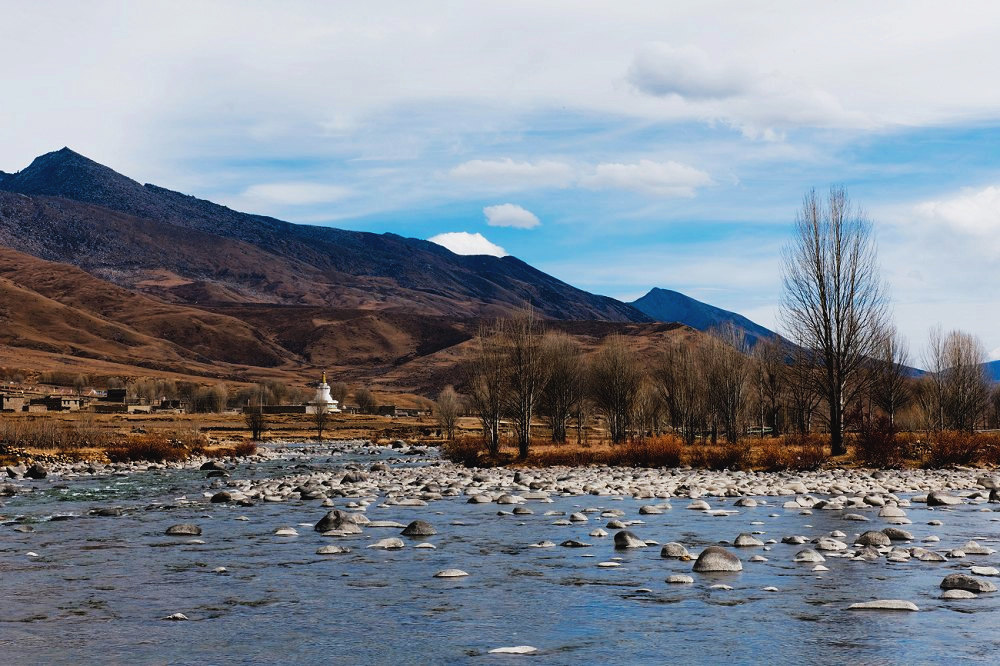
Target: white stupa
point(323, 399)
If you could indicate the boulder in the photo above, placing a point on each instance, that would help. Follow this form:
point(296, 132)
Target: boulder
point(896, 534)
point(354, 476)
point(938, 498)
point(392, 543)
point(747, 540)
point(419, 528)
point(716, 559)
point(873, 538)
point(222, 497)
point(958, 581)
point(626, 539)
point(36, 471)
point(809, 556)
point(338, 520)
point(213, 465)
point(450, 573)
point(675, 551)
point(183, 529)
point(332, 550)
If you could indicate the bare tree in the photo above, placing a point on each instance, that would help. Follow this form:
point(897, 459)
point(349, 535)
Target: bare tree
point(527, 374)
point(728, 378)
point(803, 395)
point(367, 403)
point(338, 392)
point(320, 418)
point(486, 381)
point(448, 408)
point(770, 378)
point(253, 413)
point(649, 410)
point(891, 387)
point(615, 378)
point(959, 378)
point(677, 376)
point(566, 382)
point(834, 300)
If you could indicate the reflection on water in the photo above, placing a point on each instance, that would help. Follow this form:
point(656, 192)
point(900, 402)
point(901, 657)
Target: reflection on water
point(100, 586)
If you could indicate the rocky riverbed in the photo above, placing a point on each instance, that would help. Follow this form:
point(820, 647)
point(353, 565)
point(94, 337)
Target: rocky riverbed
point(345, 551)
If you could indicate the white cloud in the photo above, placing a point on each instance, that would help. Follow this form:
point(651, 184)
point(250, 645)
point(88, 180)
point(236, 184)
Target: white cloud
point(661, 69)
point(507, 173)
point(666, 179)
point(972, 211)
point(295, 194)
point(462, 242)
point(510, 215)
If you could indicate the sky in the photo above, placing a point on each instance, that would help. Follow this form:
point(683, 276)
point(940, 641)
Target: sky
point(617, 146)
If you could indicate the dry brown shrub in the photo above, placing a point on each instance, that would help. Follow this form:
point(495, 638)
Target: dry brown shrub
point(465, 451)
point(147, 448)
point(876, 445)
point(663, 451)
point(951, 447)
point(793, 452)
point(732, 456)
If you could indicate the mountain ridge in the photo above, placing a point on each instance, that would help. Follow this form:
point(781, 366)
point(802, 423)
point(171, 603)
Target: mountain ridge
point(422, 273)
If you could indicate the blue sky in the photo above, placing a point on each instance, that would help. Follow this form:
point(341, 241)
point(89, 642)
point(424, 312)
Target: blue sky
point(616, 147)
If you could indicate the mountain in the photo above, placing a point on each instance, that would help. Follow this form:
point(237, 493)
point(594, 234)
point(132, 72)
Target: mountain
point(188, 250)
point(667, 305)
point(992, 370)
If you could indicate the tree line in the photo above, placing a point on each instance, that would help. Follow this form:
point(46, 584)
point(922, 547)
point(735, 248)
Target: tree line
point(842, 362)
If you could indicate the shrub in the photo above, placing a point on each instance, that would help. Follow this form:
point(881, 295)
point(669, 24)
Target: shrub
point(876, 445)
point(798, 452)
point(662, 451)
point(951, 447)
point(464, 451)
point(147, 448)
point(733, 455)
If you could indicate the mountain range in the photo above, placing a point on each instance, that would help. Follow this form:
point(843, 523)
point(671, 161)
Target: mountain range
point(99, 269)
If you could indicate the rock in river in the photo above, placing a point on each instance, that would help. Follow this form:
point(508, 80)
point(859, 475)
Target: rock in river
point(419, 528)
point(885, 604)
point(716, 559)
point(674, 550)
point(626, 539)
point(183, 529)
point(450, 573)
point(957, 581)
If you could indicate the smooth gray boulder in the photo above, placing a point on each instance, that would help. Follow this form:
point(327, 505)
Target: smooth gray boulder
point(809, 556)
point(873, 538)
point(626, 539)
point(897, 534)
point(715, 559)
point(419, 528)
point(958, 581)
point(747, 540)
point(183, 529)
point(338, 520)
point(675, 551)
point(392, 543)
point(938, 498)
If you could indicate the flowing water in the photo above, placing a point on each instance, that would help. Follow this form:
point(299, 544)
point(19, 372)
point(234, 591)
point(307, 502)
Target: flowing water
point(100, 587)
